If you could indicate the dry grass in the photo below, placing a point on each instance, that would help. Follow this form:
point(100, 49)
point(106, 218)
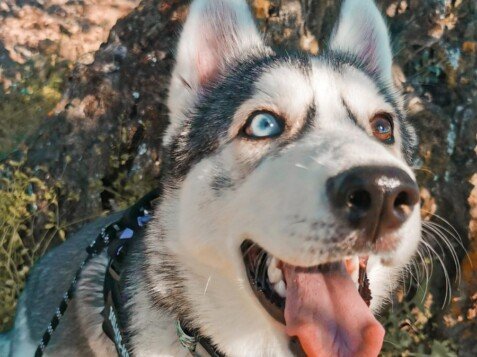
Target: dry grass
point(28, 223)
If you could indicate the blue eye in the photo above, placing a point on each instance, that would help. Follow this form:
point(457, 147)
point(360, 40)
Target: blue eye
point(263, 125)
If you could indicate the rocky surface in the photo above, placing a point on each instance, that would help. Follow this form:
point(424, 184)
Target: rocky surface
point(71, 29)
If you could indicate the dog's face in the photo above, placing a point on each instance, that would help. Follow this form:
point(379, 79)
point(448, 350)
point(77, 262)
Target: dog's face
point(286, 172)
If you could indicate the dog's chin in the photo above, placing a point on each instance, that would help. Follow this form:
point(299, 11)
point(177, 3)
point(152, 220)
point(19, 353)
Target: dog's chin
point(321, 306)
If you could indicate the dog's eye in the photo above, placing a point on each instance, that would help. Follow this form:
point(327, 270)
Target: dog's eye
point(382, 126)
point(263, 125)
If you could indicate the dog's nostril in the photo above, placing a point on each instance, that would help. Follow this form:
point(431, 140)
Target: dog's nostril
point(403, 204)
point(360, 199)
point(402, 199)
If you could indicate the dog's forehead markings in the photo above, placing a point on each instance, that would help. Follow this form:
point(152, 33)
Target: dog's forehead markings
point(284, 89)
point(345, 88)
point(287, 87)
point(331, 89)
point(209, 121)
point(361, 92)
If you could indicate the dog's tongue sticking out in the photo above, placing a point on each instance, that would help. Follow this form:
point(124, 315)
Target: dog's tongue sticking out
point(326, 312)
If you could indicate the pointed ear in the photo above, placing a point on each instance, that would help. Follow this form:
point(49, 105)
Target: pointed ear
point(362, 32)
point(215, 32)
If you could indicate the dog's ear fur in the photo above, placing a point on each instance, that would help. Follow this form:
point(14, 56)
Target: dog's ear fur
point(215, 32)
point(362, 32)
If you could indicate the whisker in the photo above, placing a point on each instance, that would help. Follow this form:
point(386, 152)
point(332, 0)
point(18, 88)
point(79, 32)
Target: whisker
point(404, 276)
point(428, 253)
point(415, 266)
point(416, 279)
point(439, 234)
point(446, 274)
point(426, 270)
point(207, 285)
point(454, 234)
point(422, 252)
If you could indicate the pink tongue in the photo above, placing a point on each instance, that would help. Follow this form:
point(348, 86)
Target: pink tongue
point(327, 314)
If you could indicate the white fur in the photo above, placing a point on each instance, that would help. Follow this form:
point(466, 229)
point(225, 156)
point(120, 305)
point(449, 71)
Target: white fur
point(362, 32)
point(215, 31)
point(358, 92)
point(277, 92)
point(204, 234)
point(159, 338)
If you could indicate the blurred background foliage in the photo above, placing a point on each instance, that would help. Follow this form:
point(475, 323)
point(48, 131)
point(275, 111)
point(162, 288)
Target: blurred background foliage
point(82, 109)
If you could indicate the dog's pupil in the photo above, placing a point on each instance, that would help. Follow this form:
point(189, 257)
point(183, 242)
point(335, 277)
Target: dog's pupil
point(383, 128)
point(266, 123)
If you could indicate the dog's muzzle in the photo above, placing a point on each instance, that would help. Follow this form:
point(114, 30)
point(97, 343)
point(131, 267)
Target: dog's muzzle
point(374, 200)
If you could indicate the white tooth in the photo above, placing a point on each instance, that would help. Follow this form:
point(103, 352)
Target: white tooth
point(280, 288)
point(274, 274)
point(273, 261)
point(269, 259)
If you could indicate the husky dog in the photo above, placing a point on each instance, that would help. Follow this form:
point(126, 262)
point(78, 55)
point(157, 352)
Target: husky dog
point(283, 174)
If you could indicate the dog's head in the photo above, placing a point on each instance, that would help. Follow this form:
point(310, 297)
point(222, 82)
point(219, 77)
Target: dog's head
point(284, 172)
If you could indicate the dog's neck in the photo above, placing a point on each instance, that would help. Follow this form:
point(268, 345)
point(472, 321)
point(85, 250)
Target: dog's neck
point(151, 316)
point(173, 286)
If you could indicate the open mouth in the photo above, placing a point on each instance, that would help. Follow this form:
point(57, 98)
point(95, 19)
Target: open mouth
point(320, 305)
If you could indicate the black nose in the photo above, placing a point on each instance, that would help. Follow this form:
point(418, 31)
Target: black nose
point(374, 198)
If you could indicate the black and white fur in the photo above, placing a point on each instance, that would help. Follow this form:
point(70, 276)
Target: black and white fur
point(220, 188)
